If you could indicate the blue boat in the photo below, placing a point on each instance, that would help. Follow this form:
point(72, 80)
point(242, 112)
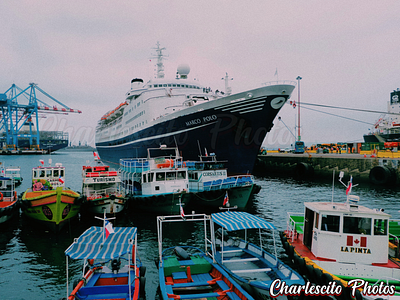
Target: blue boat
point(187, 272)
point(111, 268)
point(251, 265)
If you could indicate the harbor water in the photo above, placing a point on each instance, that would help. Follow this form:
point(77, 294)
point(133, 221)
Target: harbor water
point(32, 260)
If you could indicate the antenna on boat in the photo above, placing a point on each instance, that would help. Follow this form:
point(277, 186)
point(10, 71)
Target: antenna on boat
point(198, 144)
point(333, 183)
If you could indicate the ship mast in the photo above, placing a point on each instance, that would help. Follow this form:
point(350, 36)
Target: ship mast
point(160, 57)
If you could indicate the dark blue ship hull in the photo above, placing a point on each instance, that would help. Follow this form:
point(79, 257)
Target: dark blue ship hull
point(233, 131)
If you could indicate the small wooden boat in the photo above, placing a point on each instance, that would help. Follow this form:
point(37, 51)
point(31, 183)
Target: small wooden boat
point(111, 267)
point(48, 200)
point(187, 272)
point(101, 188)
point(209, 184)
point(251, 265)
point(343, 242)
point(158, 183)
point(8, 199)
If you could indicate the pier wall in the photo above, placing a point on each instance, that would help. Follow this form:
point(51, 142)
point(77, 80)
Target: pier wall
point(379, 171)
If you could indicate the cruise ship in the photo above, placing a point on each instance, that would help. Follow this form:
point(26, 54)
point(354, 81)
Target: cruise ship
point(387, 128)
point(182, 113)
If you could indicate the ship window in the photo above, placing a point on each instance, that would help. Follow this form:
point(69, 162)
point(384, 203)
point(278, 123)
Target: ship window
point(330, 223)
point(316, 220)
point(174, 85)
point(171, 175)
point(178, 85)
point(150, 177)
point(156, 85)
point(62, 173)
point(42, 173)
point(35, 174)
point(144, 178)
point(164, 85)
point(150, 86)
point(182, 175)
point(380, 227)
point(357, 225)
point(48, 173)
point(56, 173)
point(169, 85)
point(160, 176)
point(186, 86)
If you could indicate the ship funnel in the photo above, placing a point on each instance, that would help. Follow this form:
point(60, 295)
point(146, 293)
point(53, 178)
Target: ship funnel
point(183, 71)
point(136, 83)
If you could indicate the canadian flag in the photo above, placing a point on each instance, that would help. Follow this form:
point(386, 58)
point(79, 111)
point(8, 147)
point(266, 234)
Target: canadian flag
point(356, 242)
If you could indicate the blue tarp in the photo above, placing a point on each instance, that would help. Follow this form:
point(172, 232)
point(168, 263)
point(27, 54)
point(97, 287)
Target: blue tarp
point(90, 244)
point(238, 220)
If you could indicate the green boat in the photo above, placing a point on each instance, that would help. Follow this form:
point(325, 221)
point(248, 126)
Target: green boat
point(48, 201)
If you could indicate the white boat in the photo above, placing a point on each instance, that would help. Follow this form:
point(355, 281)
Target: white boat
point(181, 112)
point(255, 268)
point(15, 174)
point(101, 187)
point(157, 183)
point(210, 185)
point(347, 243)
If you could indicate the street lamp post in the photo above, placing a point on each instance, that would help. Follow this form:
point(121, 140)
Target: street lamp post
point(298, 104)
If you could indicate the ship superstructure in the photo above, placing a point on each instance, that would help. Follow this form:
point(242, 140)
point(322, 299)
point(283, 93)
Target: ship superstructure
point(181, 112)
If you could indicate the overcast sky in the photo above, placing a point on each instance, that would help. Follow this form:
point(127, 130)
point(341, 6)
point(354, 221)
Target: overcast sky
point(84, 54)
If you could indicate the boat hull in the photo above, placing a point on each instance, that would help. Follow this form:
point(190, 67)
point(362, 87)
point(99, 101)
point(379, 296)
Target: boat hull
point(233, 127)
point(161, 203)
point(111, 205)
point(8, 210)
point(52, 207)
point(238, 196)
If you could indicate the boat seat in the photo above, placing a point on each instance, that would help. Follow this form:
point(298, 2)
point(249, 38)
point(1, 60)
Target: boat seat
point(225, 287)
point(252, 270)
point(105, 290)
point(92, 281)
point(240, 260)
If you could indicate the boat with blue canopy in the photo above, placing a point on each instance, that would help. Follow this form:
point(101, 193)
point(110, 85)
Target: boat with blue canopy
point(188, 272)
point(252, 266)
point(111, 268)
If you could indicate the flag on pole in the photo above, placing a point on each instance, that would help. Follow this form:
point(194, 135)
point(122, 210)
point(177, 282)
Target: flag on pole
point(41, 161)
point(109, 228)
point(205, 149)
point(348, 190)
point(226, 199)
point(60, 179)
point(182, 212)
point(96, 156)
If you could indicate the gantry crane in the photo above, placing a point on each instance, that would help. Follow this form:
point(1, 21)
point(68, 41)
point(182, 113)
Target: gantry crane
point(15, 114)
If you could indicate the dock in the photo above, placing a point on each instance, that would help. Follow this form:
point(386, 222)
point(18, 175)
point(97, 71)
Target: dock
point(372, 168)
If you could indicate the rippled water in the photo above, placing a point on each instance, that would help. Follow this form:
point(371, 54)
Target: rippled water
point(32, 260)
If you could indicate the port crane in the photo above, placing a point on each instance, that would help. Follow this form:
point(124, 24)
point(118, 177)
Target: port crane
point(17, 114)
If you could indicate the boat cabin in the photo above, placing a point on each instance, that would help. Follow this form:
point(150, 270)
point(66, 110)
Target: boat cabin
point(99, 181)
point(346, 232)
point(48, 178)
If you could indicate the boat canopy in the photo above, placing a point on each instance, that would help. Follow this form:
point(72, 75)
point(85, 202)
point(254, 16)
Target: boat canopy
point(90, 244)
point(238, 220)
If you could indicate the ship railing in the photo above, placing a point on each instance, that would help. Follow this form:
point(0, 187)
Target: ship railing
point(102, 192)
point(227, 183)
point(128, 184)
point(295, 224)
point(277, 82)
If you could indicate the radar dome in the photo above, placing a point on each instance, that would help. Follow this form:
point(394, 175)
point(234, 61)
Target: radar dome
point(183, 69)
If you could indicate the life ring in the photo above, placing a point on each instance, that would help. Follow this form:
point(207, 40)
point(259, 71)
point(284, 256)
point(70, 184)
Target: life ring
point(1, 196)
point(15, 195)
point(184, 164)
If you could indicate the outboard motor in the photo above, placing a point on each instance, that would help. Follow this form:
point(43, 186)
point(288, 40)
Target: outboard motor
point(115, 265)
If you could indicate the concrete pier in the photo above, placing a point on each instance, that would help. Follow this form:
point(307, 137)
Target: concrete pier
point(363, 168)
